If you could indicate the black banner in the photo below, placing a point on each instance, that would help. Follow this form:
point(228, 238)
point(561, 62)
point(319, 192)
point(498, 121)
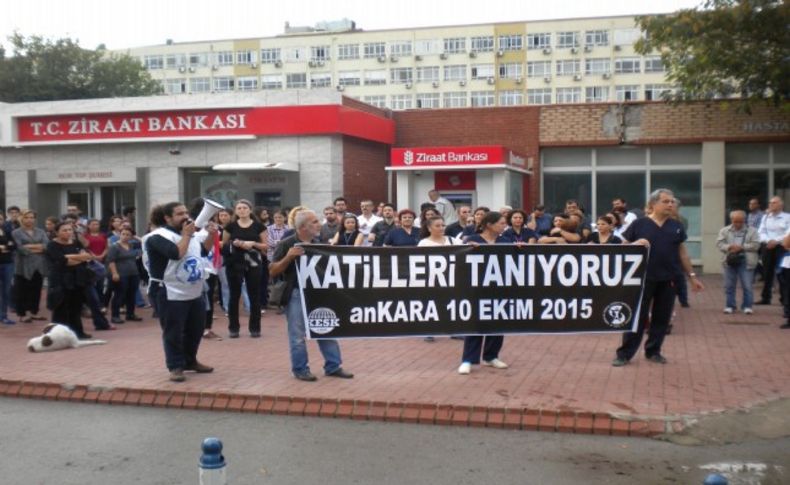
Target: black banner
point(464, 290)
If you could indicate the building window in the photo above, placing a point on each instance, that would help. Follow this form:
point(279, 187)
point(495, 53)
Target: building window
point(174, 86)
point(481, 99)
point(296, 54)
point(348, 78)
point(538, 41)
point(272, 81)
point(455, 45)
point(319, 53)
point(428, 100)
point(400, 48)
point(628, 185)
point(627, 65)
point(539, 96)
point(656, 92)
point(597, 66)
point(427, 46)
point(559, 187)
point(482, 44)
point(320, 79)
point(538, 68)
point(627, 93)
point(598, 38)
point(247, 83)
point(511, 70)
point(199, 85)
point(270, 56)
point(401, 101)
point(570, 67)
point(626, 37)
point(401, 75)
point(511, 98)
point(224, 83)
point(569, 95)
point(596, 94)
point(348, 51)
point(373, 50)
point(511, 42)
point(654, 64)
point(296, 80)
point(224, 58)
point(482, 71)
point(376, 78)
point(379, 101)
point(427, 74)
point(454, 99)
point(455, 72)
point(198, 59)
point(173, 61)
point(153, 62)
point(566, 40)
point(245, 57)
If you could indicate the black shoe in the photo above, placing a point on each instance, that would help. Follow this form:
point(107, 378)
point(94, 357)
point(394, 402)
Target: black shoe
point(341, 374)
point(763, 302)
point(177, 375)
point(306, 376)
point(199, 368)
point(233, 334)
point(785, 326)
point(117, 320)
point(619, 362)
point(685, 305)
point(133, 318)
point(255, 334)
point(657, 358)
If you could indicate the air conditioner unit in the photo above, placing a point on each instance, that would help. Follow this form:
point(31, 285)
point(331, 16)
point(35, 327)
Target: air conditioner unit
point(340, 87)
point(617, 48)
point(588, 48)
point(462, 83)
point(500, 53)
point(418, 57)
point(574, 50)
point(408, 85)
point(182, 69)
point(577, 77)
point(547, 79)
point(278, 63)
point(393, 58)
point(443, 55)
point(607, 75)
point(547, 50)
point(191, 69)
point(382, 59)
point(215, 67)
point(253, 65)
point(519, 80)
point(473, 54)
point(491, 80)
point(312, 63)
point(435, 84)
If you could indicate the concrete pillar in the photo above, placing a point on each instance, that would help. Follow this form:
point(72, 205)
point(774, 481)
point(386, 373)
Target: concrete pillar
point(713, 203)
point(403, 189)
point(164, 186)
point(17, 190)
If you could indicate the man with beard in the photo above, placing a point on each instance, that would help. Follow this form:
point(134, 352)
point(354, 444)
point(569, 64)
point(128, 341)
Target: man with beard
point(330, 225)
point(175, 254)
point(384, 226)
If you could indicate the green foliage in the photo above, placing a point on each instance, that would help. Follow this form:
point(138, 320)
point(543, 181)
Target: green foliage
point(724, 48)
point(43, 70)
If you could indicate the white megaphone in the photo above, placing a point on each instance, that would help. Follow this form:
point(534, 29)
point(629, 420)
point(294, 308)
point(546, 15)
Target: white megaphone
point(210, 208)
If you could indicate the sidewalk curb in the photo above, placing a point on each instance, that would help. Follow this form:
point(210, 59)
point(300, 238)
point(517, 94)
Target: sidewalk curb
point(364, 410)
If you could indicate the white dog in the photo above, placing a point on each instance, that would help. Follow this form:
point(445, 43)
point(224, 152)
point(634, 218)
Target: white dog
point(57, 337)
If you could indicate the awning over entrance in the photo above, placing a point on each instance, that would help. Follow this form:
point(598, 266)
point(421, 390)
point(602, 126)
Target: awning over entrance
point(458, 157)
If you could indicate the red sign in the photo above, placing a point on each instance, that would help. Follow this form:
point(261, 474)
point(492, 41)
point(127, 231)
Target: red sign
point(448, 157)
point(455, 180)
point(269, 121)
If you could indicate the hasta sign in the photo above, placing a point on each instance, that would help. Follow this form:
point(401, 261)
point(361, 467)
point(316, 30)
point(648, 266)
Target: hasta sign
point(352, 292)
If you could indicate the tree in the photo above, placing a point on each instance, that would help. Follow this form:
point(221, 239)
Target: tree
point(724, 48)
point(45, 70)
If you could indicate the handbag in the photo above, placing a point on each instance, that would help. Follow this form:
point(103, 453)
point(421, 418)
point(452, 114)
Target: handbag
point(733, 260)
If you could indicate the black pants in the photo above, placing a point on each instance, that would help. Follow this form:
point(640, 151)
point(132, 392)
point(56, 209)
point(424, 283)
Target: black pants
point(124, 294)
point(213, 283)
point(28, 293)
point(182, 329)
point(69, 310)
point(771, 257)
point(252, 276)
point(491, 345)
point(657, 302)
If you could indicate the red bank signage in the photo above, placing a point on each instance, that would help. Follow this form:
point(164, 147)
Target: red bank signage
point(418, 158)
point(268, 121)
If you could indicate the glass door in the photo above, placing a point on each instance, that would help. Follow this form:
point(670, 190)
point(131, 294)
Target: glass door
point(85, 198)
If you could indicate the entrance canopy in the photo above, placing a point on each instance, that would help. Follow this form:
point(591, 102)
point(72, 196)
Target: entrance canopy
point(457, 157)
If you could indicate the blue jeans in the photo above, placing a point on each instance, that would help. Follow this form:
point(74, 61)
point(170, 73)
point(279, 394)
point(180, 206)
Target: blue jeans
point(6, 278)
point(731, 277)
point(330, 349)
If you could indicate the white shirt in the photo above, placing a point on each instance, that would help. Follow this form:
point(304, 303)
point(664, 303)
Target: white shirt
point(445, 209)
point(773, 227)
point(448, 241)
point(366, 224)
point(627, 220)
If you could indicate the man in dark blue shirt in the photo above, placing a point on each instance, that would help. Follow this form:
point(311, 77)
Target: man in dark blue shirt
point(664, 236)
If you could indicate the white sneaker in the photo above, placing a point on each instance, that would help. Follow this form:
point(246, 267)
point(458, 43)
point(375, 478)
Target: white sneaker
point(465, 368)
point(747, 311)
point(495, 363)
point(728, 310)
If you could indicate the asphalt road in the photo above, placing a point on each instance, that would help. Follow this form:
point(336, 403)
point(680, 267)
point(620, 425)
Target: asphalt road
point(47, 442)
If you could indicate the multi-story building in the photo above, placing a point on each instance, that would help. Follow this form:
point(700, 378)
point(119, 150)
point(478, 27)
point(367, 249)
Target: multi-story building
point(500, 64)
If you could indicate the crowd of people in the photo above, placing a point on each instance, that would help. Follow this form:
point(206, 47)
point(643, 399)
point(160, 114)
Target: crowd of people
point(245, 257)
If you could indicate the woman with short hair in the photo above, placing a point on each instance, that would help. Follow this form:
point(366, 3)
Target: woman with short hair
point(30, 266)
